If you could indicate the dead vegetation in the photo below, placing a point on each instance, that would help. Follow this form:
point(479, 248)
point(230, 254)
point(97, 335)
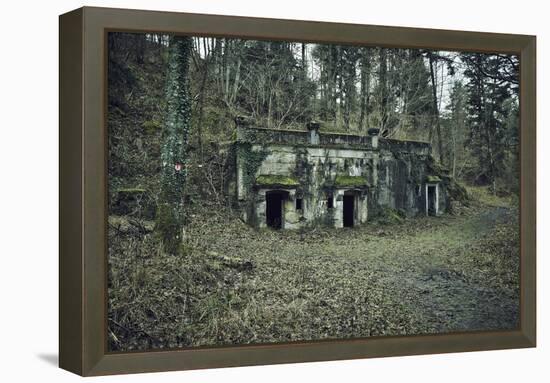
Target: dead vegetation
point(235, 285)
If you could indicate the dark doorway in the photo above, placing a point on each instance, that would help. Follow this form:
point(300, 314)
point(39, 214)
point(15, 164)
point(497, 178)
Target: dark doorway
point(349, 210)
point(432, 200)
point(274, 209)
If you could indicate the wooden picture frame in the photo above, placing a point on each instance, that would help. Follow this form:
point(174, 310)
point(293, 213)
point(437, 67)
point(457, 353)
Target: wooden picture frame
point(82, 256)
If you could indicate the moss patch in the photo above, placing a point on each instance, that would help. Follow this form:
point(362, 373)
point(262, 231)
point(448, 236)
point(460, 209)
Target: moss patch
point(484, 195)
point(168, 226)
point(275, 180)
point(350, 181)
point(151, 126)
point(389, 216)
point(433, 179)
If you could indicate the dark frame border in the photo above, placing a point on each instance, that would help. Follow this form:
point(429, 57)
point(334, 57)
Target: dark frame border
point(82, 185)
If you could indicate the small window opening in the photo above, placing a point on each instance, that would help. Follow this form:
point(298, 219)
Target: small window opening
point(298, 204)
point(330, 201)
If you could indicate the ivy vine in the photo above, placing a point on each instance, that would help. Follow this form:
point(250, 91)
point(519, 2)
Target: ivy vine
point(251, 162)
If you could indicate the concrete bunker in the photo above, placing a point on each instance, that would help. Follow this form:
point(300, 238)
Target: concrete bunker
point(289, 179)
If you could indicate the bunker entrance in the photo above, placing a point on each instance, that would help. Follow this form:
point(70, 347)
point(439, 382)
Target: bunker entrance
point(349, 210)
point(274, 209)
point(431, 200)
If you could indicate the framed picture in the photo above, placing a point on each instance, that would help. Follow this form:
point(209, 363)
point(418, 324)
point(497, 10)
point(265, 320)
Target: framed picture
point(240, 191)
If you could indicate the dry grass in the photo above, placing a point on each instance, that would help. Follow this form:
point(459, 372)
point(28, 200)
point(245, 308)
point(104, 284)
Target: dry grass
point(424, 275)
point(486, 197)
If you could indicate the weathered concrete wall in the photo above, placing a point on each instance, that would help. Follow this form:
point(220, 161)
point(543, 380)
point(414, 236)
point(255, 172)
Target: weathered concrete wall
point(300, 137)
point(377, 172)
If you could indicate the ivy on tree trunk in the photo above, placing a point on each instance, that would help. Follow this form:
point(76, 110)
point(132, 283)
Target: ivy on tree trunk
point(176, 127)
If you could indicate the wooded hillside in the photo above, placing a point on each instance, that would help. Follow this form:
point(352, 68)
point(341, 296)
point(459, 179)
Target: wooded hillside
point(464, 104)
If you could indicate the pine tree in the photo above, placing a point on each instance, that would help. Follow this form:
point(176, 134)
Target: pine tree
point(364, 104)
point(350, 55)
point(417, 93)
point(487, 117)
point(457, 125)
point(382, 89)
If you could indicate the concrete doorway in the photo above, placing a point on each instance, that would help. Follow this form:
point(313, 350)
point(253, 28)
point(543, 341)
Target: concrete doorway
point(431, 199)
point(274, 209)
point(349, 210)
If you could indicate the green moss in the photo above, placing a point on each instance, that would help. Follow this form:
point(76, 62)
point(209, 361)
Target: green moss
point(350, 181)
point(389, 216)
point(151, 126)
point(168, 226)
point(484, 195)
point(433, 179)
point(276, 180)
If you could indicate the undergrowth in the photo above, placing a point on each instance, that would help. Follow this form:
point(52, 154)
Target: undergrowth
point(232, 284)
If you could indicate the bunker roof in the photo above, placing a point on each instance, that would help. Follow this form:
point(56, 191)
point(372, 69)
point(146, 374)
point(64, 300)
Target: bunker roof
point(263, 136)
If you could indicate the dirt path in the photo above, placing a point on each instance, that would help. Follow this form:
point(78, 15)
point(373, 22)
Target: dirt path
point(425, 275)
point(419, 277)
point(452, 302)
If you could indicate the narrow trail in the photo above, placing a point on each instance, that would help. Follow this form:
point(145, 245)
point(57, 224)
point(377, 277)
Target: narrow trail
point(451, 302)
point(445, 299)
point(416, 271)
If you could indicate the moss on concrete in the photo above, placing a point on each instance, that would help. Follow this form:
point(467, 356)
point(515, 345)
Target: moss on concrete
point(433, 179)
point(350, 181)
point(276, 180)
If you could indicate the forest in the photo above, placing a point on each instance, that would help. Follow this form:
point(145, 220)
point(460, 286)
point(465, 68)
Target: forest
point(173, 101)
point(465, 104)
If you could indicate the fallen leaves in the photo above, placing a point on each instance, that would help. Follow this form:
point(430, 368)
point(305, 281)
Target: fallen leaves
point(237, 285)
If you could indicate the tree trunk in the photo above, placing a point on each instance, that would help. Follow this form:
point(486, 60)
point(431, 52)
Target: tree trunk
point(436, 111)
point(304, 59)
point(201, 105)
point(362, 98)
point(383, 71)
point(177, 123)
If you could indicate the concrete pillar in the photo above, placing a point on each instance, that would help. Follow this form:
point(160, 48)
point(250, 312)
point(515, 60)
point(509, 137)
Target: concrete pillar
point(313, 128)
point(339, 209)
point(374, 142)
point(373, 133)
